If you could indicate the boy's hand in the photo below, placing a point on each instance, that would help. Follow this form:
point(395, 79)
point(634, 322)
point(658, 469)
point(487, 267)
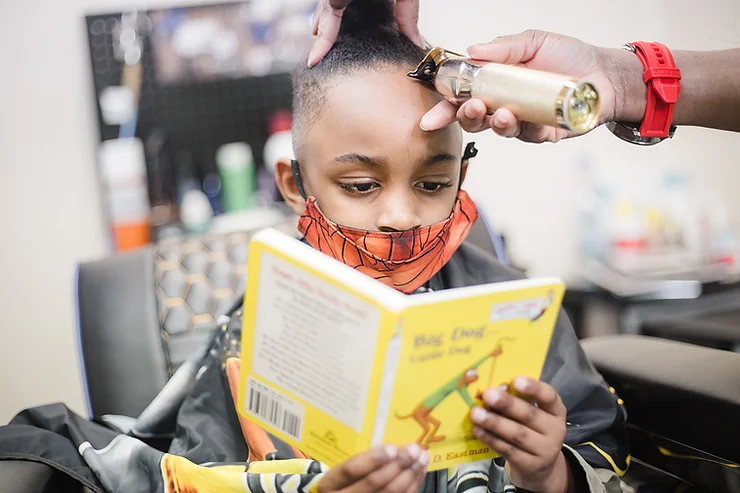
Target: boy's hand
point(382, 469)
point(530, 437)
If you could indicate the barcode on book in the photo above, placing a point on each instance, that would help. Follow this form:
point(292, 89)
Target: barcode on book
point(278, 410)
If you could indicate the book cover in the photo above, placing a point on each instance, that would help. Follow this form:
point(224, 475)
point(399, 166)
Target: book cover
point(334, 362)
point(452, 350)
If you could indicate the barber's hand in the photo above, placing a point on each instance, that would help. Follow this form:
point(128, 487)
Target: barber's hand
point(537, 50)
point(328, 18)
point(383, 469)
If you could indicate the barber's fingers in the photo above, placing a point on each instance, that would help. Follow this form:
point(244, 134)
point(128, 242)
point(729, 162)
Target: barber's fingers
point(407, 18)
point(326, 23)
point(440, 116)
point(505, 124)
point(473, 116)
point(538, 134)
point(512, 49)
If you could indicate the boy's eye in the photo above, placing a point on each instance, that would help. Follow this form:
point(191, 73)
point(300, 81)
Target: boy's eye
point(359, 187)
point(433, 186)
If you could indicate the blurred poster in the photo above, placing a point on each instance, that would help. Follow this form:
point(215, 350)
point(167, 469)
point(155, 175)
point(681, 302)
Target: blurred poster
point(209, 42)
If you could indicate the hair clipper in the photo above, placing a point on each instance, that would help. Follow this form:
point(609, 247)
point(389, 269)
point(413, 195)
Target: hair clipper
point(531, 95)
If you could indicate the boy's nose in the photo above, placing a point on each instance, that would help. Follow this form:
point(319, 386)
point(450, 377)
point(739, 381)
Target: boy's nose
point(398, 217)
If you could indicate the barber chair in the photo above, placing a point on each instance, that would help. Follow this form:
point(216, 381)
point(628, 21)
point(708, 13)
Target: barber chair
point(683, 404)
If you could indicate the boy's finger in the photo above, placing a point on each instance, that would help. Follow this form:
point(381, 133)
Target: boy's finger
point(514, 433)
point(357, 467)
point(401, 483)
point(441, 115)
point(377, 480)
point(517, 409)
point(409, 480)
point(545, 395)
point(405, 464)
point(505, 449)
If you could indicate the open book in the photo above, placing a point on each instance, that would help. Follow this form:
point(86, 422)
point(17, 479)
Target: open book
point(335, 362)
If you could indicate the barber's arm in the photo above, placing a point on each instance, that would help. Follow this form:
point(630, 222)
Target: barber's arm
point(709, 96)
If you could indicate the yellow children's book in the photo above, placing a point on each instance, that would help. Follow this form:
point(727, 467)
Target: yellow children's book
point(335, 362)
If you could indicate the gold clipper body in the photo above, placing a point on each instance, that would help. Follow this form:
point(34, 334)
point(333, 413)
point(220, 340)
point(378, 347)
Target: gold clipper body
point(531, 95)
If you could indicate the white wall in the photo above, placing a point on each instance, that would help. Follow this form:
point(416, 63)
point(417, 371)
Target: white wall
point(51, 216)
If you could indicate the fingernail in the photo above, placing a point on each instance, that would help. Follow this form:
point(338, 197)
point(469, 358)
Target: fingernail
point(492, 396)
point(477, 415)
point(390, 451)
point(414, 452)
point(521, 384)
point(469, 112)
point(311, 62)
point(503, 387)
point(424, 458)
point(424, 125)
point(500, 122)
point(477, 431)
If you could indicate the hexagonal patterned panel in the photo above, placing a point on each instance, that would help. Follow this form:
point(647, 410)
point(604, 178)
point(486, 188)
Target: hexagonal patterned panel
point(220, 273)
point(199, 280)
point(177, 319)
point(173, 283)
point(195, 262)
point(199, 297)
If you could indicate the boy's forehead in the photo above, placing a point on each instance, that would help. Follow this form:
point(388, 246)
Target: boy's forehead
point(375, 111)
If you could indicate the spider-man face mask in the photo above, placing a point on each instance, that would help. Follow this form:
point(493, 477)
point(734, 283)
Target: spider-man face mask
point(404, 260)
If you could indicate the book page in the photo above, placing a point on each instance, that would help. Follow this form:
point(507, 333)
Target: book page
point(314, 340)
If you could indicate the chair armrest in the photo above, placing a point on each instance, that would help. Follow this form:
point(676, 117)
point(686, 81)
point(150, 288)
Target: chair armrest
point(688, 393)
point(117, 422)
point(22, 476)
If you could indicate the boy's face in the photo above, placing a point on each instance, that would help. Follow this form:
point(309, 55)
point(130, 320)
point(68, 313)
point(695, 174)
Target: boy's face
point(368, 163)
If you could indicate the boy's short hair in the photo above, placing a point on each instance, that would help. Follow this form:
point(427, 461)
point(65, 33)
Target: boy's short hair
point(368, 38)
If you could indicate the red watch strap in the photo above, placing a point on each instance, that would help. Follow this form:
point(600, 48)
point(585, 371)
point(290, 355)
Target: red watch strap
point(663, 80)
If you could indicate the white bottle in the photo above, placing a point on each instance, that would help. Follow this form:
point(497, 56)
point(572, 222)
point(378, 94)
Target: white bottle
point(196, 212)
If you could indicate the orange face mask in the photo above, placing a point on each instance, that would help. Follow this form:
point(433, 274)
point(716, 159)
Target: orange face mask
point(404, 260)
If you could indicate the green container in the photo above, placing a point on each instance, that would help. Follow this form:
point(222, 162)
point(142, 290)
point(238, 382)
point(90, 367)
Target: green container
point(237, 171)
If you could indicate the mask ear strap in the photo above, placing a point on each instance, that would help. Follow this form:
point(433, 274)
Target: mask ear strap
point(297, 177)
point(470, 152)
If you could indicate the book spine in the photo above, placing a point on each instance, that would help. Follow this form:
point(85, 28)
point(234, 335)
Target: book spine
point(393, 353)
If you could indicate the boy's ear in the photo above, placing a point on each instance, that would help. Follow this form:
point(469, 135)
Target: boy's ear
point(287, 186)
point(463, 172)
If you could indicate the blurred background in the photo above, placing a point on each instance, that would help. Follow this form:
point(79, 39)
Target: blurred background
point(125, 124)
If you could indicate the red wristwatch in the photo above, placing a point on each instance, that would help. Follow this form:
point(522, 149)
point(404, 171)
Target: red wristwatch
point(663, 80)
